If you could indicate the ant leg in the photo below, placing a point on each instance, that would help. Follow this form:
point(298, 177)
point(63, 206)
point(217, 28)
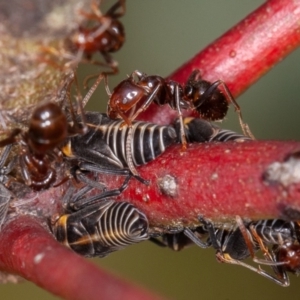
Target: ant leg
point(95, 8)
point(109, 63)
point(245, 128)
point(96, 13)
point(81, 128)
point(182, 131)
point(112, 11)
point(262, 246)
point(59, 59)
point(243, 230)
point(77, 127)
point(128, 151)
point(270, 260)
point(92, 89)
point(63, 93)
point(11, 138)
point(226, 258)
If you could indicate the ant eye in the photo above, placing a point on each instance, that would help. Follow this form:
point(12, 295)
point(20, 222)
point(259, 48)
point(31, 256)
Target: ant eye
point(188, 90)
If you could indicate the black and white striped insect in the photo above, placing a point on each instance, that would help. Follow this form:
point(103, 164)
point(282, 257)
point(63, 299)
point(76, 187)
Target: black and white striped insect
point(199, 131)
point(103, 148)
point(101, 226)
point(276, 231)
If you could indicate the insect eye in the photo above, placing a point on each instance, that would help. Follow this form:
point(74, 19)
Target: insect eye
point(188, 90)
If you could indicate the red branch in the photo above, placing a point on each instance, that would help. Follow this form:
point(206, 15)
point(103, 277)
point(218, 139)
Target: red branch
point(27, 249)
point(218, 181)
point(212, 179)
point(244, 53)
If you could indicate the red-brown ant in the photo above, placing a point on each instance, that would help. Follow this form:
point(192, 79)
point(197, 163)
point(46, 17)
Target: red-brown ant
point(48, 128)
point(134, 95)
point(289, 256)
point(242, 240)
point(106, 36)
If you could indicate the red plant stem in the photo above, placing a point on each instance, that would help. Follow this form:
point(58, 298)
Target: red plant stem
point(27, 249)
point(216, 180)
point(244, 53)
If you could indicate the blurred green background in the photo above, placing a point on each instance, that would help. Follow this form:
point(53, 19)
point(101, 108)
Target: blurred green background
point(161, 35)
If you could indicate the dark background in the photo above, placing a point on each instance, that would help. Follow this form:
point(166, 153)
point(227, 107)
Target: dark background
point(161, 35)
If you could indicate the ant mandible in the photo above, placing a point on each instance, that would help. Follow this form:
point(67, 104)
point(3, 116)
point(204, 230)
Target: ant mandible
point(105, 37)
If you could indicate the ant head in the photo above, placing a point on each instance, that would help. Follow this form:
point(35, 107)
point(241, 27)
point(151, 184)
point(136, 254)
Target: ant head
point(290, 255)
point(48, 128)
point(206, 99)
point(116, 34)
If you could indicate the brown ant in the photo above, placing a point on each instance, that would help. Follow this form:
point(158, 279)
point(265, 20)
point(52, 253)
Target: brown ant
point(134, 95)
point(243, 240)
point(289, 256)
point(106, 36)
point(48, 128)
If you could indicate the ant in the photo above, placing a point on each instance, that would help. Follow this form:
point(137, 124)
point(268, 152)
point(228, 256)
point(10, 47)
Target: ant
point(198, 130)
point(241, 241)
point(236, 242)
point(48, 128)
point(288, 255)
point(106, 36)
point(134, 95)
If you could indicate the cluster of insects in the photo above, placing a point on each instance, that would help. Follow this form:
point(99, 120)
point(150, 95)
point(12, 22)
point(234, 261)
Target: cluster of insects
point(64, 144)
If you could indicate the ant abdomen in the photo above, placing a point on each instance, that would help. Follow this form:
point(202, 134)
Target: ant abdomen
point(48, 128)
